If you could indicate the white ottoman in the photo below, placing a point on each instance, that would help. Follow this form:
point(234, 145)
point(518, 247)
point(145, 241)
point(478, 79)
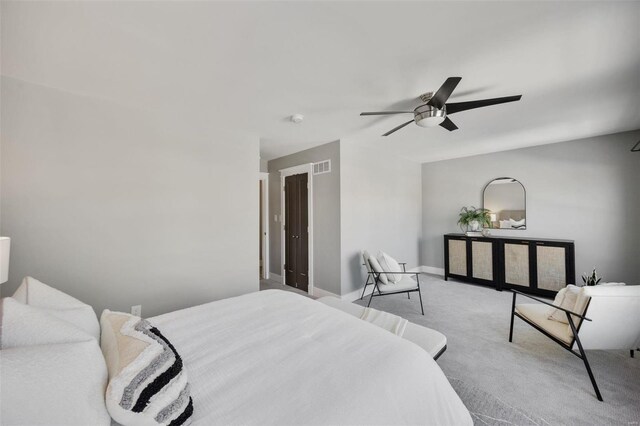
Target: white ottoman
point(430, 340)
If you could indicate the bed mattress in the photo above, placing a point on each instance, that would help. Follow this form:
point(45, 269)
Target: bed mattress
point(274, 357)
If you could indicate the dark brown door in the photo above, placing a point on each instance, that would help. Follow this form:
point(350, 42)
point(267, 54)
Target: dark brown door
point(296, 263)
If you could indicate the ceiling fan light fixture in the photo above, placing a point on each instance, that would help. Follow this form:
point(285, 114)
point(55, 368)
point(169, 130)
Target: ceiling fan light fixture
point(429, 116)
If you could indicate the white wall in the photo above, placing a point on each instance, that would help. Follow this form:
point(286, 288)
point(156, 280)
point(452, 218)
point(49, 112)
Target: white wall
point(586, 190)
point(326, 214)
point(117, 206)
point(380, 209)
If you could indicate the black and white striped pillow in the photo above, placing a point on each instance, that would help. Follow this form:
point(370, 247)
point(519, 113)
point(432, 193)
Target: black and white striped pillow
point(147, 381)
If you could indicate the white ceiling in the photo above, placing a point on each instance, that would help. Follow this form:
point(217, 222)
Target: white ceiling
point(252, 65)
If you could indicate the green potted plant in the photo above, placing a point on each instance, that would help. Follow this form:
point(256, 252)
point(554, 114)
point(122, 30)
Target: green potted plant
point(473, 219)
point(591, 279)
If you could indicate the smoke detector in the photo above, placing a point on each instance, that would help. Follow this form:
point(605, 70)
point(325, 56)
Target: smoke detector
point(297, 118)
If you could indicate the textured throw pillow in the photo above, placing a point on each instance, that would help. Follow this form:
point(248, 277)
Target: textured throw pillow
point(568, 301)
point(147, 382)
point(59, 384)
point(375, 265)
point(505, 224)
point(389, 264)
point(25, 325)
point(35, 293)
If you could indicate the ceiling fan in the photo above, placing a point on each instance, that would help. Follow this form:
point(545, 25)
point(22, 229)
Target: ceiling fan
point(435, 109)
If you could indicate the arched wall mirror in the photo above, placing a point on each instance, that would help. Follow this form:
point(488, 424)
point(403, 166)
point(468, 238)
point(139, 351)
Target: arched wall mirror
point(506, 200)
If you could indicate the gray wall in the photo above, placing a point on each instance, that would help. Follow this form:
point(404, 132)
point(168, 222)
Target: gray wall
point(381, 204)
point(586, 190)
point(326, 214)
point(118, 207)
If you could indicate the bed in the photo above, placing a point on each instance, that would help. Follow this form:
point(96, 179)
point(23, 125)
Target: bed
point(269, 357)
point(275, 357)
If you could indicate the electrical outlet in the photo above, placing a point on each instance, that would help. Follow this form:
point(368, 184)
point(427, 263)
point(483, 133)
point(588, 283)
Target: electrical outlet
point(136, 310)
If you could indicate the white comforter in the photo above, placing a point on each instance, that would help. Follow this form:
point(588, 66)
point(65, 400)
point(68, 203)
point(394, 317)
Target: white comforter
point(274, 357)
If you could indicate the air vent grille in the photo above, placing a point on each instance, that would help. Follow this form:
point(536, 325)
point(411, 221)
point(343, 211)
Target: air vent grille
point(322, 167)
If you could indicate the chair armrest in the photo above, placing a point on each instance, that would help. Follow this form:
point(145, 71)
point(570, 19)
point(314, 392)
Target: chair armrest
point(550, 304)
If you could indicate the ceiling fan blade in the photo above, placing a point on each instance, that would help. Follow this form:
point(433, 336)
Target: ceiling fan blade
point(440, 98)
point(452, 108)
point(449, 125)
point(395, 129)
point(386, 112)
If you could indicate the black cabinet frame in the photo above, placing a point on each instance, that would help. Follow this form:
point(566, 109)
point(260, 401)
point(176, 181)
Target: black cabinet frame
point(498, 262)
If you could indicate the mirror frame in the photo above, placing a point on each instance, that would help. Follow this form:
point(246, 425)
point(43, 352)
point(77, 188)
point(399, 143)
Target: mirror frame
point(524, 190)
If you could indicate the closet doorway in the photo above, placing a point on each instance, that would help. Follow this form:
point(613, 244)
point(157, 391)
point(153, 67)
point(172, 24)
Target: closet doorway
point(297, 227)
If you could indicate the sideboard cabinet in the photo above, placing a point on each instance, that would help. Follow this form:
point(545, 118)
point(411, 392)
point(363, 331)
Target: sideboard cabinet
point(537, 266)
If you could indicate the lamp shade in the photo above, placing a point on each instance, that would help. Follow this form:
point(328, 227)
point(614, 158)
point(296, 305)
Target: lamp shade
point(492, 217)
point(5, 245)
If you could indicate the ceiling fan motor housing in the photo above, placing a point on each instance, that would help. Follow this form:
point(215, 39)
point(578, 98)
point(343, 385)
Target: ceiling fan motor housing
point(429, 116)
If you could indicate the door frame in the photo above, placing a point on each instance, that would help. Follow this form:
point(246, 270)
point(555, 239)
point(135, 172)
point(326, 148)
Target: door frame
point(297, 170)
point(264, 178)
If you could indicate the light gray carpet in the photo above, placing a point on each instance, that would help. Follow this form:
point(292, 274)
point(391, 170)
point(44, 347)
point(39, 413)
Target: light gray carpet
point(486, 409)
point(540, 381)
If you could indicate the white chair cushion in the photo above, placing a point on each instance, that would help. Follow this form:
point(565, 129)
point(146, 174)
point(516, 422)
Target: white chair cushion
point(389, 264)
point(60, 384)
point(35, 293)
point(377, 268)
point(25, 325)
point(539, 315)
point(566, 298)
point(407, 283)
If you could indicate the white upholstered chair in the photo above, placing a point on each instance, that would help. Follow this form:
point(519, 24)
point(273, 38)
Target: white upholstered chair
point(604, 317)
point(406, 285)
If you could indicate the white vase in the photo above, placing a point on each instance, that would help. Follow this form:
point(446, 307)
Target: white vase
point(474, 225)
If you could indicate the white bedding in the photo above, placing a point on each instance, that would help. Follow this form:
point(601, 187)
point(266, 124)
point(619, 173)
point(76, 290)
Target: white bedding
point(274, 357)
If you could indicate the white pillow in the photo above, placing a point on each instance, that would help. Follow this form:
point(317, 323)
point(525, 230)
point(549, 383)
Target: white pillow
point(389, 264)
point(60, 384)
point(505, 224)
point(568, 299)
point(365, 258)
point(25, 325)
point(516, 223)
point(147, 381)
point(377, 268)
point(35, 293)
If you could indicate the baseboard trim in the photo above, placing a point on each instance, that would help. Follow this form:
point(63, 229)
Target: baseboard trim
point(429, 270)
point(318, 292)
point(275, 277)
point(355, 295)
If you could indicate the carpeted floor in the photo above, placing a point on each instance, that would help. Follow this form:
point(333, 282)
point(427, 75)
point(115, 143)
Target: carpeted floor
point(540, 381)
point(274, 285)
